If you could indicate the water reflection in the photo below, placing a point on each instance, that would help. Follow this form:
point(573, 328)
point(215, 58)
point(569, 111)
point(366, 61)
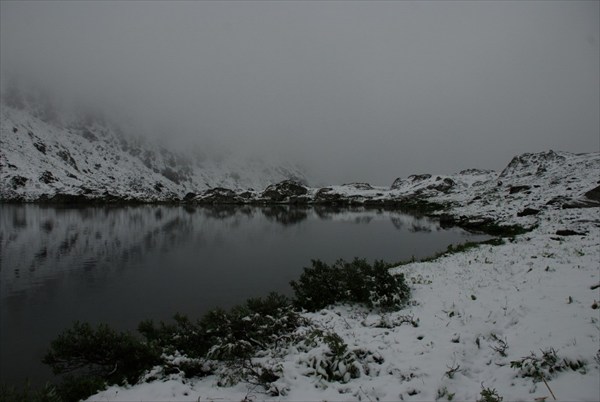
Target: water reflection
point(121, 265)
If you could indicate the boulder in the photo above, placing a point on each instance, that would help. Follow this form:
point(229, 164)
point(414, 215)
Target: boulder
point(442, 185)
point(284, 190)
point(326, 195)
point(189, 196)
point(528, 211)
point(593, 194)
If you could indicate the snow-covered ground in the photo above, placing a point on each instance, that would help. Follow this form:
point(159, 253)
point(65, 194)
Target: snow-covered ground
point(476, 311)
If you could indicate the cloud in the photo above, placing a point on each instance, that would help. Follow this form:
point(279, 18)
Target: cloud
point(357, 91)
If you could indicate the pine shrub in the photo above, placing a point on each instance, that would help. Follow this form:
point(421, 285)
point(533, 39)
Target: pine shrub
point(350, 282)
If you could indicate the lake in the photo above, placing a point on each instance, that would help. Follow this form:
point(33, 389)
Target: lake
point(121, 265)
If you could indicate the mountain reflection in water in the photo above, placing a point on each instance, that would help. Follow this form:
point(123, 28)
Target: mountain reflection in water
point(121, 265)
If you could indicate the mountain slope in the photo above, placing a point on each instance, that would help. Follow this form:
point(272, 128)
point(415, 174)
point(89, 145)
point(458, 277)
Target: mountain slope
point(93, 158)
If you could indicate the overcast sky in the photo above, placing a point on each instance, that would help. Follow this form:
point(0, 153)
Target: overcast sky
point(358, 91)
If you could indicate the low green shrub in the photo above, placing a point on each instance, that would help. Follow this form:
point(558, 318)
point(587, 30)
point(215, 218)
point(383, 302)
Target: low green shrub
point(76, 388)
point(100, 352)
point(27, 393)
point(350, 282)
point(183, 336)
point(259, 324)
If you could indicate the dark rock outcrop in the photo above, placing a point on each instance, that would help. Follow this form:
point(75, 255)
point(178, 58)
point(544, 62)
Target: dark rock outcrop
point(528, 211)
point(326, 196)
point(593, 194)
point(568, 232)
point(442, 185)
point(18, 181)
point(518, 189)
point(590, 199)
point(47, 177)
point(287, 190)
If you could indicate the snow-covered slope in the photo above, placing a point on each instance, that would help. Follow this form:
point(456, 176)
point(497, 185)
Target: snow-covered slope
point(532, 300)
point(94, 158)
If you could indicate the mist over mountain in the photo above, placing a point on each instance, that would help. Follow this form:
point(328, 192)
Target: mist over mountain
point(354, 91)
point(47, 150)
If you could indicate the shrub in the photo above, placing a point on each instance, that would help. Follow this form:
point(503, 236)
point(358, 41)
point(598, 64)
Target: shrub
point(352, 282)
point(101, 352)
point(490, 395)
point(259, 324)
point(335, 362)
point(183, 336)
point(539, 367)
point(76, 388)
point(26, 393)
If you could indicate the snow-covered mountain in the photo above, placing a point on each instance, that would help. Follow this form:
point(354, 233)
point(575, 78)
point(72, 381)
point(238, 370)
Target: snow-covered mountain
point(42, 155)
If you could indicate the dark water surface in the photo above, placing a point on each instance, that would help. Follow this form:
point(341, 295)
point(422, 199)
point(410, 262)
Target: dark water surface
point(121, 265)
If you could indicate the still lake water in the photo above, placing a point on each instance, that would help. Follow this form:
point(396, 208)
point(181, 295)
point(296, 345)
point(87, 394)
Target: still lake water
point(121, 265)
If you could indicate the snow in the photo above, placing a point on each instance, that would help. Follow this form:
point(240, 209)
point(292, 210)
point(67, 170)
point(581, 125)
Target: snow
point(124, 165)
point(532, 293)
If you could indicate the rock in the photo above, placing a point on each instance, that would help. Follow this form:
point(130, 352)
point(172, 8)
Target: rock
point(445, 185)
point(581, 203)
point(569, 232)
point(284, 190)
point(66, 156)
point(40, 146)
point(413, 178)
point(18, 181)
point(360, 186)
point(218, 195)
point(172, 175)
point(419, 177)
point(590, 199)
point(327, 196)
point(475, 172)
point(47, 177)
point(189, 196)
point(528, 211)
point(529, 164)
point(593, 194)
point(518, 189)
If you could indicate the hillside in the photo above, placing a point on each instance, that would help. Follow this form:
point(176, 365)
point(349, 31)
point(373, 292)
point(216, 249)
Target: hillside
point(95, 159)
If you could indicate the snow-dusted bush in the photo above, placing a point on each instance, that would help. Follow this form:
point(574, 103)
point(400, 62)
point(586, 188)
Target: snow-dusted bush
point(546, 365)
point(350, 282)
point(328, 357)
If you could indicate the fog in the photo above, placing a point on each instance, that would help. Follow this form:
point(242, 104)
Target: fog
point(355, 91)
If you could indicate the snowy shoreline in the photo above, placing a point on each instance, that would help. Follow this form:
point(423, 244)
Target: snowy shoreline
point(476, 311)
